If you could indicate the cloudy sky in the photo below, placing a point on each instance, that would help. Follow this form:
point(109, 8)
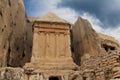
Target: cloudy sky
point(104, 15)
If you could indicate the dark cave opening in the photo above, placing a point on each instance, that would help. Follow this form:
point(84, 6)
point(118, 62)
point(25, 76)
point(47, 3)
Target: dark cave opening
point(54, 78)
point(108, 47)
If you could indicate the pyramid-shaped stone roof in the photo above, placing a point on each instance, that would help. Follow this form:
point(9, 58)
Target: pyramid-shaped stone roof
point(51, 17)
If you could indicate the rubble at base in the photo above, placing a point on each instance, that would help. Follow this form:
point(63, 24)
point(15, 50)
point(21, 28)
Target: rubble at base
point(102, 67)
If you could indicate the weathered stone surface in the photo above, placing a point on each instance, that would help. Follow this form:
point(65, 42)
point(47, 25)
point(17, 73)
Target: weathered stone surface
point(51, 44)
point(108, 43)
point(12, 74)
point(97, 55)
point(84, 41)
point(104, 67)
point(15, 40)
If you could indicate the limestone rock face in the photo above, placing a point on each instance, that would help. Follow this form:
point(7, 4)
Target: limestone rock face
point(15, 40)
point(108, 43)
point(12, 74)
point(84, 40)
point(97, 54)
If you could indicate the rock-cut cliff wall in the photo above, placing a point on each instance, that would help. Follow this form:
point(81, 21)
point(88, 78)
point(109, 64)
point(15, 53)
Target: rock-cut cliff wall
point(84, 41)
point(15, 35)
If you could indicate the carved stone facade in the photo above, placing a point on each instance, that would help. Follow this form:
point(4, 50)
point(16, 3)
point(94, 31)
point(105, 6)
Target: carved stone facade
point(51, 44)
point(51, 53)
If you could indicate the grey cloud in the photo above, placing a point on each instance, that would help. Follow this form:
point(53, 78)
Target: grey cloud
point(105, 10)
